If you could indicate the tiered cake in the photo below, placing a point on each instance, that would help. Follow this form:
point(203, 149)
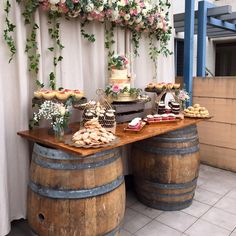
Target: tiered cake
point(119, 88)
point(120, 77)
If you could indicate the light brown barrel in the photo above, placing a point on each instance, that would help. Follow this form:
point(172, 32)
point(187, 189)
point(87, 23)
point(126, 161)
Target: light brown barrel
point(75, 196)
point(166, 168)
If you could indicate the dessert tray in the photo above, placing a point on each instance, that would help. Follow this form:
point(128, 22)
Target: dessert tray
point(135, 129)
point(197, 111)
point(197, 117)
point(70, 142)
point(161, 121)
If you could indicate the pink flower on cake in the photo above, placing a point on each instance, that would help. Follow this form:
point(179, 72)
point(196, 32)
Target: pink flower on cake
point(116, 88)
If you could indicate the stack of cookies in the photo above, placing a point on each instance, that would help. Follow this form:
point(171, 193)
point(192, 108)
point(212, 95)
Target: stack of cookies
point(93, 135)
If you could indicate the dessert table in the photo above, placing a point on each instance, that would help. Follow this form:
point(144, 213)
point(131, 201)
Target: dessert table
point(72, 190)
point(40, 135)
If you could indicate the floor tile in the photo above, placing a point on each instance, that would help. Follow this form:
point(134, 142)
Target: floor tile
point(221, 218)
point(227, 204)
point(136, 223)
point(129, 214)
point(232, 194)
point(155, 228)
point(217, 186)
point(177, 220)
point(201, 181)
point(197, 209)
point(204, 228)
point(150, 212)
point(206, 197)
point(124, 233)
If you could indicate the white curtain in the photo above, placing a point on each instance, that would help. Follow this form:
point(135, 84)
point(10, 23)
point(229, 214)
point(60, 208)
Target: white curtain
point(83, 67)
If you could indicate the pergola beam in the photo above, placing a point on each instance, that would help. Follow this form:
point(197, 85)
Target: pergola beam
point(221, 24)
point(228, 17)
point(214, 11)
point(218, 11)
point(222, 36)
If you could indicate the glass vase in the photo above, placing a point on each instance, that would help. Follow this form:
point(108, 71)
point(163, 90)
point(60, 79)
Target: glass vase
point(59, 132)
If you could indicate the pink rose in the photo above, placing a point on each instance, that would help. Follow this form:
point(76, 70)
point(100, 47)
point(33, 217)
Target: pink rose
point(75, 1)
point(63, 8)
point(142, 4)
point(134, 12)
point(45, 6)
point(116, 88)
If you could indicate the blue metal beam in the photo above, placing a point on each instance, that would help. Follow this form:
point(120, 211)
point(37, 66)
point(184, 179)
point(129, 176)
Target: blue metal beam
point(201, 38)
point(221, 24)
point(188, 46)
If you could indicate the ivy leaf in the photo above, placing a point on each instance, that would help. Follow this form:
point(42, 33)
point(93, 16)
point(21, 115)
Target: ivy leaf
point(70, 4)
point(51, 49)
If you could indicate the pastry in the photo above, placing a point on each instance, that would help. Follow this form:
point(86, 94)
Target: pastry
point(48, 94)
point(157, 117)
point(135, 123)
point(171, 116)
point(164, 117)
point(150, 118)
point(168, 109)
point(176, 86)
point(62, 95)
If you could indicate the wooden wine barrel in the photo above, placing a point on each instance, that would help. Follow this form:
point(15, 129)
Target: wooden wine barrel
point(75, 196)
point(166, 168)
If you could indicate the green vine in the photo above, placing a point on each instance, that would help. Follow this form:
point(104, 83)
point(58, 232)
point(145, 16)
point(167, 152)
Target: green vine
point(109, 41)
point(54, 33)
point(9, 29)
point(31, 47)
point(135, 38)
point(89, 37)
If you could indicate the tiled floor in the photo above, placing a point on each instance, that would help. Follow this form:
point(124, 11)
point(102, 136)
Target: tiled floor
point(213, 212)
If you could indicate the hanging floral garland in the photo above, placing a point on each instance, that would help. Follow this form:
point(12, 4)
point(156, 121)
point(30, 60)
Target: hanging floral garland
point(138, 16)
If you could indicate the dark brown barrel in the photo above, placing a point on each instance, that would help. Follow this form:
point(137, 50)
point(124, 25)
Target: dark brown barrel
point(75, 196)
point(166, 168)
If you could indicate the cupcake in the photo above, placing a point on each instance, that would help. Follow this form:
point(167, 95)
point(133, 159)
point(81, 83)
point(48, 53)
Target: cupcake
point(169, 85)
point(101, 118)
point(175, 105)
point(175, 110)
point(48, 95)
point(176, 86)
point(62, 95)
point(38, 94)
point(150, 85)
point(78, 94)
point(69, 91)
point(109, 119)
point(168, 109)
point(88, 116)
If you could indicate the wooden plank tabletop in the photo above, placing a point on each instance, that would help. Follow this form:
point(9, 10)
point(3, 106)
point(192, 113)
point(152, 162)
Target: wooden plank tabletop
point(41, 135)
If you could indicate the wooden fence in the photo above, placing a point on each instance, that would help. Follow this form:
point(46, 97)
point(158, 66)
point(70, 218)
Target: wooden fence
point(218, 135)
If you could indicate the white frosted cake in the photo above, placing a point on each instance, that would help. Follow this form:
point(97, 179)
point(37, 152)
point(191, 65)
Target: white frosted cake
point(120, 77)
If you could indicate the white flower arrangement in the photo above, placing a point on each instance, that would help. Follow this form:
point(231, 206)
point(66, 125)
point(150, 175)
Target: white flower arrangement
point(58, 113)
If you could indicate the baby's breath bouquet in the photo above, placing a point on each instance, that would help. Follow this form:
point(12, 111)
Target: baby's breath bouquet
point(58, 113)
